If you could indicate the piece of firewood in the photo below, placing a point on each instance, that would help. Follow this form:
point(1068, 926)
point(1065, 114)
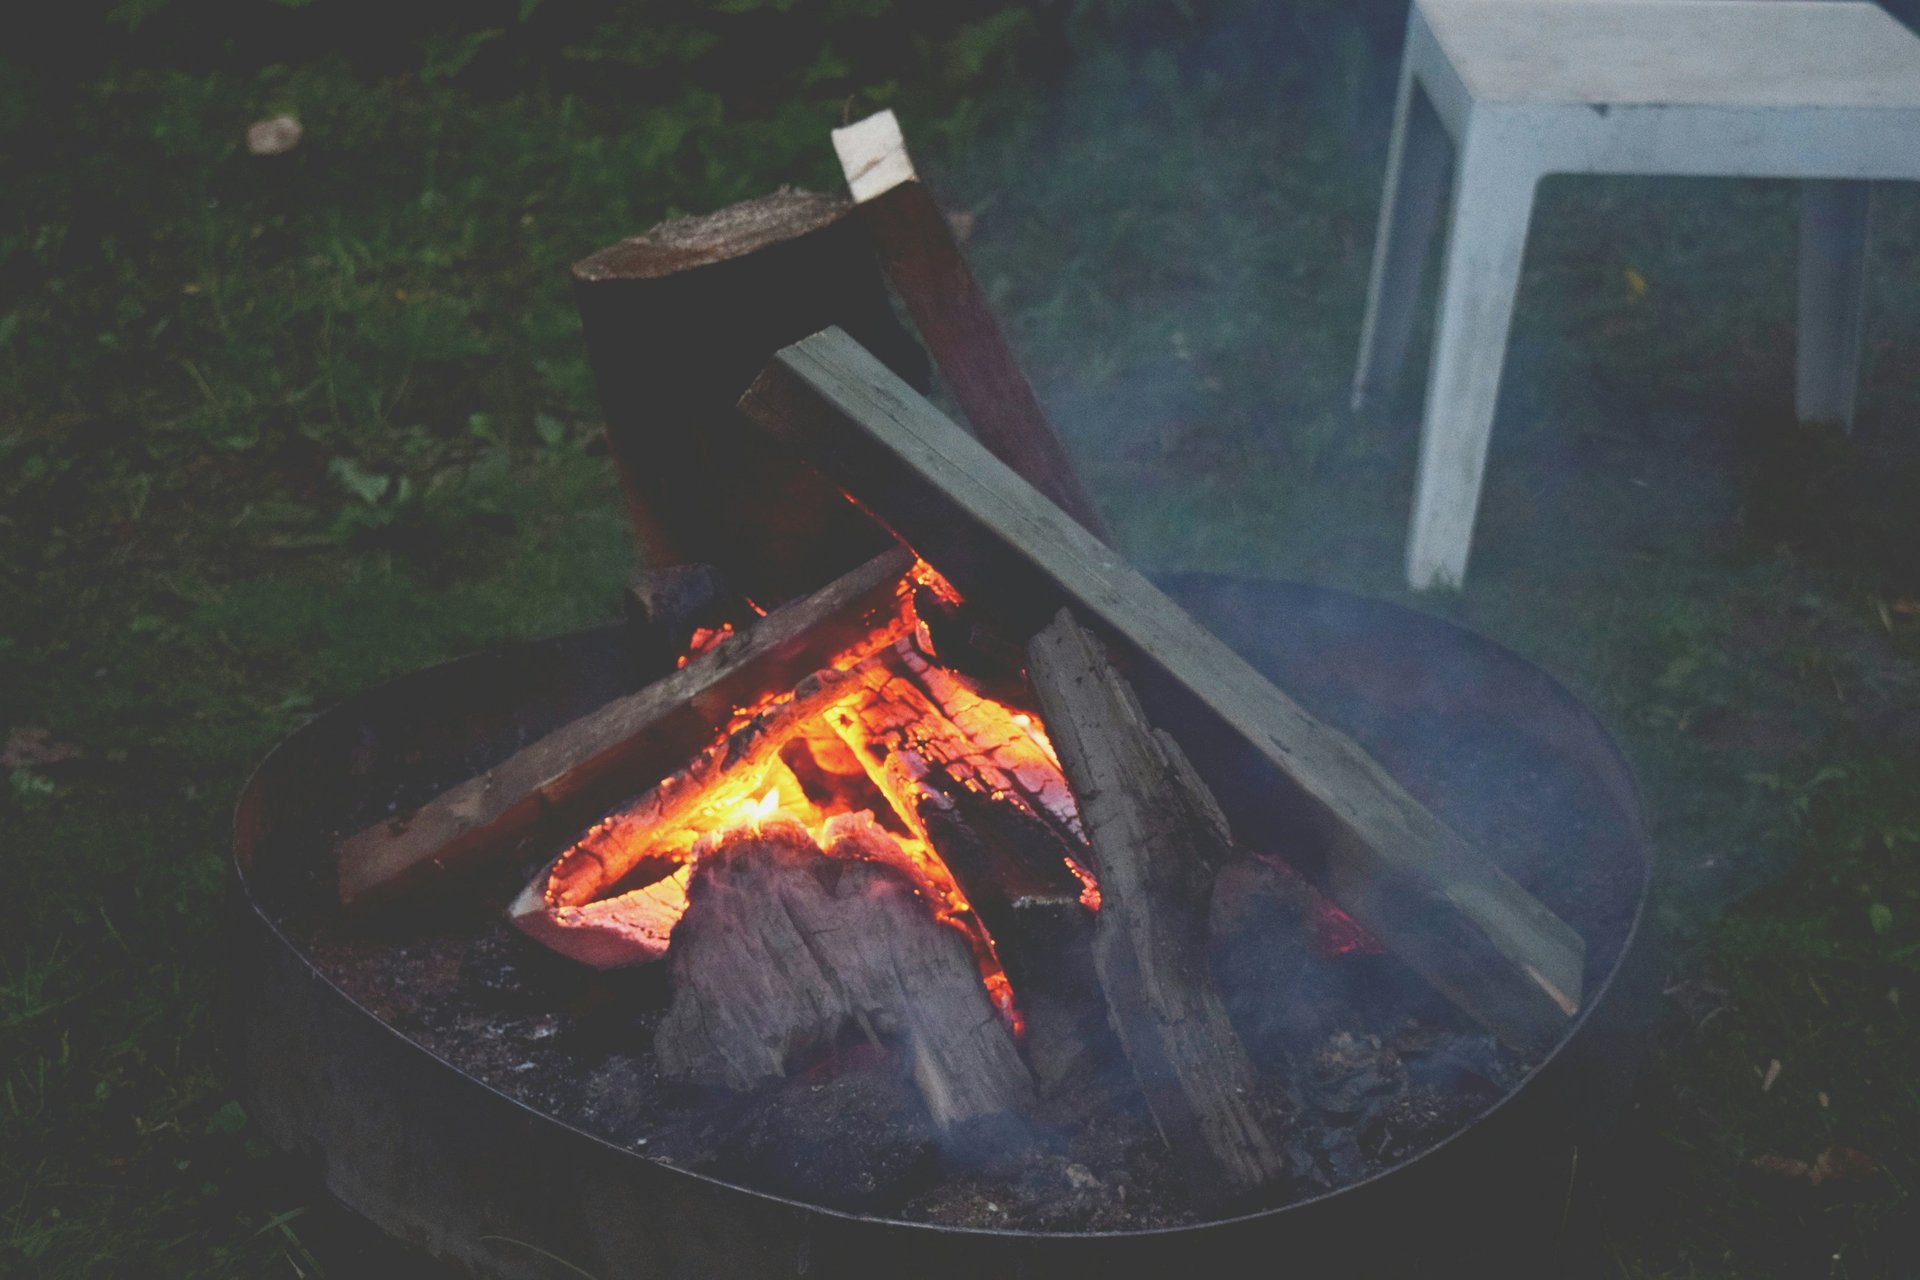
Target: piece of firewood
point(1157, 839)
point(784, 949)
point(951, 311)
point(932, 756)
point(1280, 773)
point(677, 321)
point(875, 720)
point(580, 769)
point(571, 905)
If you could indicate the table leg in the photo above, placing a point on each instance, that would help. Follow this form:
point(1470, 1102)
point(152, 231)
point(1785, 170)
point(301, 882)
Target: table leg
point(1833, 277)
point(1492, 203)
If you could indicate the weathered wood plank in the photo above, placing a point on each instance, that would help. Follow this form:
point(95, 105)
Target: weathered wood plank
point(578, 770)
point(1157, 839)
point(1281, 775)
point(926, 267)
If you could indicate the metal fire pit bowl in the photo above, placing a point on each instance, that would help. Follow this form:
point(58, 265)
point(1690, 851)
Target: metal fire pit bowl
point(442, 1161)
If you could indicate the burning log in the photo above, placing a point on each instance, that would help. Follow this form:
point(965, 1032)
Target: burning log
point(571, 906)
point(677, 321)
point(869, 738)
point(929, 764)
point(926, 267)
point(1157, 839)
point(577, 771)
point(1445, 910)
point(783, 950)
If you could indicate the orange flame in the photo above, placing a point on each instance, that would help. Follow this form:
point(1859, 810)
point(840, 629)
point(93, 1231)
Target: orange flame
point(852, 779)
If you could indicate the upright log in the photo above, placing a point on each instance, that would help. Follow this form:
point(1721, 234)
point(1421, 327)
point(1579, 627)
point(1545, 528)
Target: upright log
point(1281, 774)
point(677, 321)
point(949, 308)
point(1157, 839)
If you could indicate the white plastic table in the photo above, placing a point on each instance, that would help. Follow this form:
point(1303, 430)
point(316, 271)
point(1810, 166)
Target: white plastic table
point(1814, 89)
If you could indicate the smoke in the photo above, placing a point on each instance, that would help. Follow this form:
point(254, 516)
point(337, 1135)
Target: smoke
point(1179, 235)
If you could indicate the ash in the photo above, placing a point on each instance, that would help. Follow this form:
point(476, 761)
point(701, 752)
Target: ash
point(1371, 1068)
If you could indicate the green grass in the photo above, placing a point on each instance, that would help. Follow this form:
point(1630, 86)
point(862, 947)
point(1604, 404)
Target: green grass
point(276, 428)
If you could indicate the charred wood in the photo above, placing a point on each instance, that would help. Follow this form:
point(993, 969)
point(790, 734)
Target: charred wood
point(577, 771)
point(949, 308)
point(1157, 840)
point(783, 951)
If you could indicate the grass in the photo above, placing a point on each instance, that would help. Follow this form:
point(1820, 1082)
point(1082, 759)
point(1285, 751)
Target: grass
point(276, 428)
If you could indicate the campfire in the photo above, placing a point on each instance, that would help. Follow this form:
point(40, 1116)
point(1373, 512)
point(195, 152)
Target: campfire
point(882, 753)
point(935, 779)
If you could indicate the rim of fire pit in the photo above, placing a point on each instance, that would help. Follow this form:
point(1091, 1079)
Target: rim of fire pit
point(1628, 968)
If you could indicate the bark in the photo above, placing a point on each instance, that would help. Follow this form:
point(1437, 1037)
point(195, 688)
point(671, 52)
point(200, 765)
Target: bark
point(1157, 840)
point(676, 323)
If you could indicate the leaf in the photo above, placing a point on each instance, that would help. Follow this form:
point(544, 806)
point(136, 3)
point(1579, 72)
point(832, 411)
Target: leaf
point(1880, 916)
point(1678, 671)
point(448, 56)
point(230, 1118)
point(830, 67)
point(974, 47)
point(364, 485)
point(27, 783)
point(28, 747)
point(131, 13)
point(552, 431)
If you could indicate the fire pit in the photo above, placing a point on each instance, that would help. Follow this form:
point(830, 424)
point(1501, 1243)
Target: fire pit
point(914, 885)
point(478, 1171)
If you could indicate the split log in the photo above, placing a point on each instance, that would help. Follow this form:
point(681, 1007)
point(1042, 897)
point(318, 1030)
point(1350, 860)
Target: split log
point(1447, 911)
point(1157, 839)
point(867, 738)
point(677, 321)
point(573, 907)
point(783, 950)
point(951, 311)
point(577, 771)
point(947, 768)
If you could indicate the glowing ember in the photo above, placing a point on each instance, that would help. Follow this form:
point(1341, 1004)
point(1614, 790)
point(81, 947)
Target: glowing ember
point(1335, 933)
point(844, 754)
point(704, 638)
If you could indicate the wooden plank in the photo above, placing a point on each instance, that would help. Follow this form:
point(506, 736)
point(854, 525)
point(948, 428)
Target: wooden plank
point(578, 770)
point(949, 308)
point(1282, 776)
point(1157, 839)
